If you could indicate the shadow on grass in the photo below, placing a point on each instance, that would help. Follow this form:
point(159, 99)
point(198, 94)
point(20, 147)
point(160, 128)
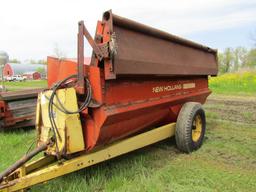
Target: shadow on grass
point(18, 130)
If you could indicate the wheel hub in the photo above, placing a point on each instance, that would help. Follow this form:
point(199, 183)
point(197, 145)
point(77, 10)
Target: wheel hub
point(196, 128)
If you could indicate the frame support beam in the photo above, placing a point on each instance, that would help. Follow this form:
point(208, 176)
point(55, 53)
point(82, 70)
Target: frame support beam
point(86, 160)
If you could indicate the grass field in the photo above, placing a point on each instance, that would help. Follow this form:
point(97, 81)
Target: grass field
point(225, 162)
point(240, 83)
point(12, 86)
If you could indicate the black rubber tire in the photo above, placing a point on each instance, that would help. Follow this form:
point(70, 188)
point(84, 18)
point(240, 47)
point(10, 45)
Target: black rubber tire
point(184, 126)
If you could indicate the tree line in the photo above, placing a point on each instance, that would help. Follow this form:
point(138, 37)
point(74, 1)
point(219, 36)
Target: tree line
point(29, 61)
point(234, 59)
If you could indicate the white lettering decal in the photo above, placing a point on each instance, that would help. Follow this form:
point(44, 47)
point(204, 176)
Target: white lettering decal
point(166, 88)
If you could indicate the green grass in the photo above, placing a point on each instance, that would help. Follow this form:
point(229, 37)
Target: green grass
point(248, 115)
point(240, 83)
point(226, 162)
point(12, 86)
point(243, 83)
point(13, 145)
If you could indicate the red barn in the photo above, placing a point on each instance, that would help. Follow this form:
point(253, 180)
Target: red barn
point(33, 75)
point(11, 69)
point(8, 70)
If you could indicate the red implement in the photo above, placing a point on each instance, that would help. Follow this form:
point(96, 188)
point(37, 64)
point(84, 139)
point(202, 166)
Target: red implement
point(142, 86)
point(17, 108)
point(141, 81)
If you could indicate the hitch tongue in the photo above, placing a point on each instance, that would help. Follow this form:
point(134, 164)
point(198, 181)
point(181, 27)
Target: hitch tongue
point(23, 160)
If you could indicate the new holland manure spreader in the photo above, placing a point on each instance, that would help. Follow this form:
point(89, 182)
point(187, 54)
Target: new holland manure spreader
point(142, 86)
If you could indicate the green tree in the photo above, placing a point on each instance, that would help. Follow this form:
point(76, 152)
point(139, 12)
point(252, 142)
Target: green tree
point(34, 61)
point(40, 70)
point(253, 38)
point(14, 61)
point(226, 60)
point(251, 59)
point(239, 56)
point(221, 62)
point(42, 61)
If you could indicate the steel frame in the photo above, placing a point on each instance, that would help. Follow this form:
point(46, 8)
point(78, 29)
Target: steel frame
point(48, 168)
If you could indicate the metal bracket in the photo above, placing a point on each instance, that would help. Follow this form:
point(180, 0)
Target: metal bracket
point(109, 49)
point(104, 48)
point(95, 47)
point(101, 51)
point(82, 31)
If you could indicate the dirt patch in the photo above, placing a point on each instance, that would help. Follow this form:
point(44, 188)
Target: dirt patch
point(236, 109)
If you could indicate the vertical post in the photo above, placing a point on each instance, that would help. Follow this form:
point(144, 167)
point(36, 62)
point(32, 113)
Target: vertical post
point(82, 31)
point(80, 58)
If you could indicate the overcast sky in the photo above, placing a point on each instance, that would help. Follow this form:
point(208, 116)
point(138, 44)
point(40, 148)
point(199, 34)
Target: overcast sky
point(30, 29)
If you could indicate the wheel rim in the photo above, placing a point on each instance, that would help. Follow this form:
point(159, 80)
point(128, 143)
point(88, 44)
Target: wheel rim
point(197, 128)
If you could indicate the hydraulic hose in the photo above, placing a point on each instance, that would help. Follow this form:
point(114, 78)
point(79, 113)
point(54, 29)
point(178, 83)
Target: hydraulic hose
point(63, 109)
point(23, 160)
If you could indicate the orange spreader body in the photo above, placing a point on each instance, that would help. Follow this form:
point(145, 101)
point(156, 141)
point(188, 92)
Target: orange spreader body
point(144, 85)
point(130, 105)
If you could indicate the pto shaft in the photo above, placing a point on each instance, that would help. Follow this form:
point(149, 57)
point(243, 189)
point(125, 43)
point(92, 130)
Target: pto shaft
point(23, 160)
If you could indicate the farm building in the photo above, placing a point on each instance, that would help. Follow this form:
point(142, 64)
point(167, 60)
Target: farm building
point(33, 75)
point(11, 69)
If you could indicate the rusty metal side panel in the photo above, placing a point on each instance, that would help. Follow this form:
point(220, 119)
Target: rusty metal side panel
point(143, 50)
point(140, 54)
point(18, 113)
point(17, 108)
point(20, 94)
